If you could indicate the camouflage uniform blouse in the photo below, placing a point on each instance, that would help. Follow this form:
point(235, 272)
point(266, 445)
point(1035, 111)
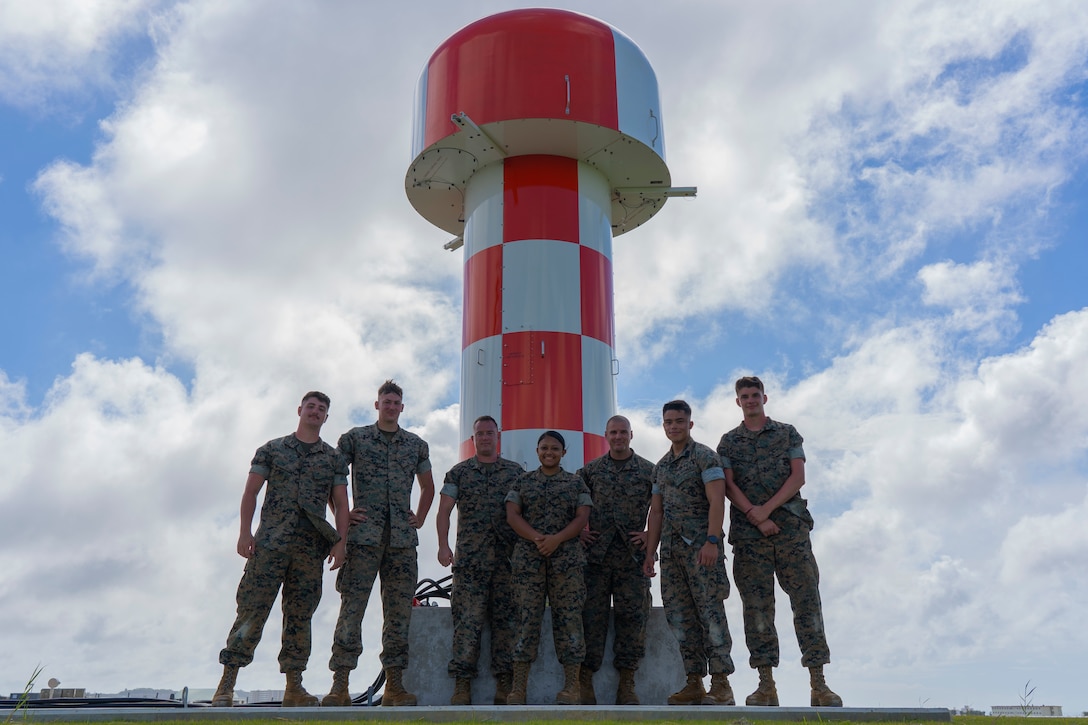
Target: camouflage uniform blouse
point(761, 464)
point(549, 504)
point(681, 481)
point(300, 479)
point(621, 498)
point(383, 469)
point(480, 492)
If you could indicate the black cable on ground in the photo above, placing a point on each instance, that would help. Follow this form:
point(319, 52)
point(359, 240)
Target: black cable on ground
point(428, 588)
point(87, 702)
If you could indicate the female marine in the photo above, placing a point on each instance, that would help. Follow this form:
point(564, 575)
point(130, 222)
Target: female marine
point(547, 508)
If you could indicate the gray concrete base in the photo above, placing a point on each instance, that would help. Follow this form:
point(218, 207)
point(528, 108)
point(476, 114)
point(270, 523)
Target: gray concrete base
point(429, 644)
point(479, 713)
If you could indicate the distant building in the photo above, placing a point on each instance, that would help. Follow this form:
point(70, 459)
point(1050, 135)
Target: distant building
point(1026, 710)
point(256, 696)
point(967, 710)
point(53, 693)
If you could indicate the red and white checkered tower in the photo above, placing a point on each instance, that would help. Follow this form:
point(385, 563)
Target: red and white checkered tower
point(537, 138)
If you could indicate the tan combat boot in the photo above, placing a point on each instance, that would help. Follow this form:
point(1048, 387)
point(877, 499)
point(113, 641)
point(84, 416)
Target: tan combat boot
point(585, 684)
point(692, 694)
point(295, 695)
point(462, 692)
point(224, 694)
point(766, 695)
point(625, 691)
point(571, 694)
point(338, 696)
point(503, 681)
point(395, 695)
point(822, 696)
point(720, 692)
point(519, 684)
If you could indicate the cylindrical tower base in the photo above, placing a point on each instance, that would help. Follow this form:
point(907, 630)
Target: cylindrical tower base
point(538, 341)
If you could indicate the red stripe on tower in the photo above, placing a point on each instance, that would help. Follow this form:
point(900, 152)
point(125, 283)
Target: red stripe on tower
point(594, 446)
point(540, 199)
point(537, 392)
point(482, 296)
point(596, 288)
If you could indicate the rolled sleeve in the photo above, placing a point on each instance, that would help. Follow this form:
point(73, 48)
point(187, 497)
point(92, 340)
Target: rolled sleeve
point(714, 473)
point(340, 475)
point(796, 451)
point(424, 464)
point(346, 446)
point(262, 462)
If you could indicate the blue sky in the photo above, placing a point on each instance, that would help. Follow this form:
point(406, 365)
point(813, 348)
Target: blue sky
point(61, 314)
point(202, 215)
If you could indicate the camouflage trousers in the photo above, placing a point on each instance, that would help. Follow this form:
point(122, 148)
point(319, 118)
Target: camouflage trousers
point(300, 575)
point(557, 581)
point(398, 569)
point(618, 578)
point(694, 597)
point(756, 562)
point(482, 595)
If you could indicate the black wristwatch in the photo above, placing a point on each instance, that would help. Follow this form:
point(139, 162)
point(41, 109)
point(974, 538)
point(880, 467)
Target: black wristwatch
point(713, 540)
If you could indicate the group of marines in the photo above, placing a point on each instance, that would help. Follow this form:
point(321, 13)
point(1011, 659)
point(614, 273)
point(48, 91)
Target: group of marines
point(585, 544)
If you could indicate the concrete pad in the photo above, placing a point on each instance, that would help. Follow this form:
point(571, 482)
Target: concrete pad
point(482, 713)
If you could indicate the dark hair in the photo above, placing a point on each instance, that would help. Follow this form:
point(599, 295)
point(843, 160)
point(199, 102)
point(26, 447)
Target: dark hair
point(552, 434)
point(390, 387)
point(485, 419)
point(319, 395)
point(680, 405)
point(749, 381)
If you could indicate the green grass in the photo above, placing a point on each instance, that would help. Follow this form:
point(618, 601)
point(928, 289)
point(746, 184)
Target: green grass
point(24, 699)
point(957, 720)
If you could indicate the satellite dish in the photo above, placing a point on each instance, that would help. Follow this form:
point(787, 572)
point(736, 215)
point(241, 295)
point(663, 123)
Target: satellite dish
point(53, 682)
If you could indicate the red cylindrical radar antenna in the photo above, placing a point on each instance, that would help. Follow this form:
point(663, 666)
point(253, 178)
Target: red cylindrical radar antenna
point(537, 138)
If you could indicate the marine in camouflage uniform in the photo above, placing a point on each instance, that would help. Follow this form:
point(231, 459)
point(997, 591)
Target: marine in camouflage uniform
point(769, 525)
point(615, 543)
point(549, 504)
point(482, 591)
point(291, 543)
point(760, 463)
point(547, 509)
point(382, 539)
point(686, 515)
